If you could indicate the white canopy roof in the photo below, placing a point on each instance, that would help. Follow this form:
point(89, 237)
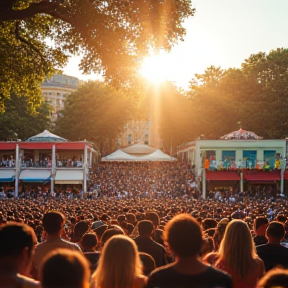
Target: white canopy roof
point(119, 155)
point(158, 155)
point(46, 136)
point(139, 149)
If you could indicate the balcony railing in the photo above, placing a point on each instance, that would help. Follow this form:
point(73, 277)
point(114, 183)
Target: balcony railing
point(243, 164)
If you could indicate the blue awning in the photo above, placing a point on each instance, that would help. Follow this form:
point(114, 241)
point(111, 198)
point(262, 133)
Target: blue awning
point(7, 175)
point(35, 175)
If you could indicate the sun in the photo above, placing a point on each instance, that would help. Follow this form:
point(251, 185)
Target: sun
point(156, 68)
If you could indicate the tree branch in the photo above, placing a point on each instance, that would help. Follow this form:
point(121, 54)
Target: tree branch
point(7, 13)
point(26, 42)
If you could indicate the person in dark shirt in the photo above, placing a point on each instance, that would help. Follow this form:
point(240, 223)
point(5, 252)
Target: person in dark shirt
point(260, 226)
point(89, 243)
point(183, 235)
point(273, 253)
point(146, 244)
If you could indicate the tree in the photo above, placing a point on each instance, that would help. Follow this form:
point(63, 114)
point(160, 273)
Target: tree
point(255, 96)
point(95, 112)
point(113, 36)
point(268, 87)
point(208, 103)
point(20, 122)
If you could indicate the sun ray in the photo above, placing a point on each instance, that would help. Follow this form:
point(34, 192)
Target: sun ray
point(156, 68)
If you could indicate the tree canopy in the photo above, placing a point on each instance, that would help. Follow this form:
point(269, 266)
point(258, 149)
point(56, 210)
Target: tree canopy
point(20, 122)
point(37, 36)
point(254, 97)
point(95, 112)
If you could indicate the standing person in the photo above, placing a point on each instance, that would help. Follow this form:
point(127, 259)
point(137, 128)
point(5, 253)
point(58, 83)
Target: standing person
point(63, 268)
point(119, 265)
point(53, 223)
point(273, 253)
point(17, 243)
point(183, 235)
point(260, 226)
point(89, 242)
point(146, 244)
point(237, 256)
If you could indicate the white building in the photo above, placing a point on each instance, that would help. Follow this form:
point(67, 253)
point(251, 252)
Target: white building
point(236, 162)
point(56, 90)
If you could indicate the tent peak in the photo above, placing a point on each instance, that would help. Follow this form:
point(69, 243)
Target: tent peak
point(46, 136)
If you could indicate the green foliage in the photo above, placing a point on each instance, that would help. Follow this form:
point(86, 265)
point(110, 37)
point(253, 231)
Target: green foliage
point(95, 112)
point(20, 121)
point(255, 96)
point(37, 36)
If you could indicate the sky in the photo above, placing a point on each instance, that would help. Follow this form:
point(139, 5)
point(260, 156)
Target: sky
point(221, 33)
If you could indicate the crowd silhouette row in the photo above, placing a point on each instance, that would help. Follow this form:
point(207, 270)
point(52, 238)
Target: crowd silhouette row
point(176, 240)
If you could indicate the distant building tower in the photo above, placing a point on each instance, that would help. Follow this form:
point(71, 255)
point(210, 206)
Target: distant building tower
point(134, 132)
point(56, 90)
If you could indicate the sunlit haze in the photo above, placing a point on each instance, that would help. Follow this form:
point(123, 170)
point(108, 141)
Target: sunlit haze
point(222, 33)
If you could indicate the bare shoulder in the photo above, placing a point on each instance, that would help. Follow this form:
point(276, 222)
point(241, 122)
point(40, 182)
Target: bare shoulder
point(140, 281)
point(260, 266)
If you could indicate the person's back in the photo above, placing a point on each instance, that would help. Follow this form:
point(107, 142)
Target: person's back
point(146, 244)
point(119, 265)
point(16, 249)
point(273, 253)
point(53, 224)
point(184, 237)
point(260, 226)
point(237, 256)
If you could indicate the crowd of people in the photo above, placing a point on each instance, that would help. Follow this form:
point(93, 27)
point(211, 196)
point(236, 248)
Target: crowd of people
point(116, 240)
point(143, 179)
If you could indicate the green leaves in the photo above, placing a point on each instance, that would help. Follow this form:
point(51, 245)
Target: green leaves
point(255, 95)
point(113, 36)
point(21, 120)
point(96, 112)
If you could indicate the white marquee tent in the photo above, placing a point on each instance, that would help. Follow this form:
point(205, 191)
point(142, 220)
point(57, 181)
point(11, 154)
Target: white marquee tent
point(120, 155)
point(158, 155)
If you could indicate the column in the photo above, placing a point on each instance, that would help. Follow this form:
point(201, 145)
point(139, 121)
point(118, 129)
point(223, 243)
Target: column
point(85, 170)
point(241, 181)
point(17, 171)
point(53, 169)
point(282, 184)
point(203, 183)
point(90, 159)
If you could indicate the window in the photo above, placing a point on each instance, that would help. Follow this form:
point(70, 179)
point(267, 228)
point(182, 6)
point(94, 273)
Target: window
point(209, 159)
point(229, 155)
point(228, 158)
point(129, 138)
point(269, 157)
point(250, 157)
point(210, 154)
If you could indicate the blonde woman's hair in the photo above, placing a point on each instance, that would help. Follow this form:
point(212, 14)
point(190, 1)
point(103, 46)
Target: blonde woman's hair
point(237, 249)
point(119, 264)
